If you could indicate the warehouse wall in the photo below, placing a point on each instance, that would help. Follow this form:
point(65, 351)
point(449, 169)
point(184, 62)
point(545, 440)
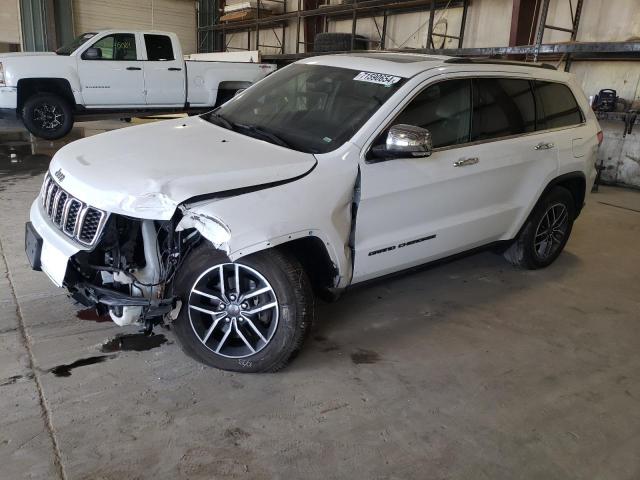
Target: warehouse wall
point(488, 24)
point(9, 22)
point(177, 16)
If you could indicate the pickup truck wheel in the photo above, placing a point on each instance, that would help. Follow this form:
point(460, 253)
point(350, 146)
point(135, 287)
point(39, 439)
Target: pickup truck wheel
point(47, 116)
point(246, 316)
point(545, 232)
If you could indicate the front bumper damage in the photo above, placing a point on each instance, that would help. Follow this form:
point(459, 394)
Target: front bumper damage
point(91, 295)
point(127, 273)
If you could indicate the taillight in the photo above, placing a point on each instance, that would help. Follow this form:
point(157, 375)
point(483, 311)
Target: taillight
point(600, 137)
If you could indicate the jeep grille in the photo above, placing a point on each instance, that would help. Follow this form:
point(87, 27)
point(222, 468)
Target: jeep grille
point(76, 219)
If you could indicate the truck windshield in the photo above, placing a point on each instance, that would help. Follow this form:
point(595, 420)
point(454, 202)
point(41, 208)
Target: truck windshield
point(74, 44)
point(310, 108)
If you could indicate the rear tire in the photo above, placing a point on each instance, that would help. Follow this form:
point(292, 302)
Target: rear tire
point(47, 116)
point(545, 233)
point(242, 341)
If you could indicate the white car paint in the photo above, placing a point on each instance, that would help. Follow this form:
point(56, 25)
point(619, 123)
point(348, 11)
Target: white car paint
point(148, 172)
point(111, 84)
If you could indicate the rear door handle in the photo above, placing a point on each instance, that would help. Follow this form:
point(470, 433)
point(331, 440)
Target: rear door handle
point(134, 68)
point(174, 69)
point(544, 146)
point(464, 162)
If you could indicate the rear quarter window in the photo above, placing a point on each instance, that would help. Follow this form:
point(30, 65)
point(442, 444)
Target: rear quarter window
point(556, 106)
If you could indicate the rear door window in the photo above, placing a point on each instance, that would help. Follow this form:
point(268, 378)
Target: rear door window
point(557, 107)
point(159, 48)
point(502, 107)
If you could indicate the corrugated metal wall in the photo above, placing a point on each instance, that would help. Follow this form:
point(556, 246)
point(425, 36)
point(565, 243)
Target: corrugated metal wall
point(9, 22)
point(177, 16)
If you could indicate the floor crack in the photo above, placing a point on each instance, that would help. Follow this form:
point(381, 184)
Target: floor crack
point(46, 414)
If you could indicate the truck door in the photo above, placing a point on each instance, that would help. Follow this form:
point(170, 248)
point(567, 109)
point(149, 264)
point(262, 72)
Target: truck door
point(113, 75)
point(164, 74)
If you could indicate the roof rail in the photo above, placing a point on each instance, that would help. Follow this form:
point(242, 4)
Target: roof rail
point(497, 61)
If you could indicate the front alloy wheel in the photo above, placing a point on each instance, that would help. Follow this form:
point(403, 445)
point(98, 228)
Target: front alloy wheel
point(47, 116)
point(251, 315)
point(233, 310)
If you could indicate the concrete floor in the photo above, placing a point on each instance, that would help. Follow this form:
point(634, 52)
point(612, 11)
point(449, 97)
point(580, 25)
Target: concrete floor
point(469, 370)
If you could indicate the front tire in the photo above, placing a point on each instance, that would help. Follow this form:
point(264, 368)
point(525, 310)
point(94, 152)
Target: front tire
point(47, 116)
point(246, 316)
point(545, 232)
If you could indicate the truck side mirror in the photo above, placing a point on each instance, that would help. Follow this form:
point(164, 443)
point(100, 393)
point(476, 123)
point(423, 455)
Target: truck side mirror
point(92, 53)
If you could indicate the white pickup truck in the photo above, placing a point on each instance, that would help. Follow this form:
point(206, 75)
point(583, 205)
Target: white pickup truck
point(114, 71)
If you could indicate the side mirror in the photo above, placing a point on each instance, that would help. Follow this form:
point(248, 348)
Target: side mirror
point(239, 91)
point(405, 141)
point(92, 54)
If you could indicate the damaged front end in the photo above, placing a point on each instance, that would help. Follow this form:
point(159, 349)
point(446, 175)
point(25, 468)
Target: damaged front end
point(129, 273)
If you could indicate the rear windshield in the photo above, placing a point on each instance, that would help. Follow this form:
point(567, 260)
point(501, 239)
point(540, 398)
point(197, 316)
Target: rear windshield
point(310, 108)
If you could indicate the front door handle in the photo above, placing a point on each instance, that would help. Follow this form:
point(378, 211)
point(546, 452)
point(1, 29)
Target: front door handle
point(464, 162)
point(544, 146)
point(174, 69)
point(134, 68)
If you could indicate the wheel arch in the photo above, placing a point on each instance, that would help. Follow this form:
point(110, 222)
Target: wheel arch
point(575, 182)
point(27, 87)
point(311, 248)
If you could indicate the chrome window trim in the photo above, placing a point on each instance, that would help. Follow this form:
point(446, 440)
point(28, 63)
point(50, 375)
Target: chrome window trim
point(421, 89)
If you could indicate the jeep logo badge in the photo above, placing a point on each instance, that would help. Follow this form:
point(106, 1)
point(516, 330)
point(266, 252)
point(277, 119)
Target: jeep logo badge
point(59, 175)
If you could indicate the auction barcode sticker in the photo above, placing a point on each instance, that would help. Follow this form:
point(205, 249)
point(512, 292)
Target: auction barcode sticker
point(379, 78)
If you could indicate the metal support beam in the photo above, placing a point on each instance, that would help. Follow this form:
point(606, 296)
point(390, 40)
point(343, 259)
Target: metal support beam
point(432, 12)
point(463, 22)
point(575, 16)
point(542, 21)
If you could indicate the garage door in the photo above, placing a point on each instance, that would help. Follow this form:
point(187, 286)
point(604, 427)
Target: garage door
point(177, 16)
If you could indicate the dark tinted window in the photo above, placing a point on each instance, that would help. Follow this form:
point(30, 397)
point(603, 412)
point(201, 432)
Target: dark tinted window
point(502, 107)
point(557, 106)
point(121, 46)
point(159, 47)
point(443, 109)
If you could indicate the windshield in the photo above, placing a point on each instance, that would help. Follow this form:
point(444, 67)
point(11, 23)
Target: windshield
point(310, 108)
point(74, 44)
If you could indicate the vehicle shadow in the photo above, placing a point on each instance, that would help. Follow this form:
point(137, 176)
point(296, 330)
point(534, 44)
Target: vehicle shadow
point(383, 314)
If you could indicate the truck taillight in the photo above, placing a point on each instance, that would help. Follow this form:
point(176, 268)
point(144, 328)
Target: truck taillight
point(1, 74)
point(600, 137)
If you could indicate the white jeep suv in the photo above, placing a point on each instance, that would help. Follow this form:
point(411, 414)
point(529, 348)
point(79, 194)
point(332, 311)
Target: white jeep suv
point(332, 171)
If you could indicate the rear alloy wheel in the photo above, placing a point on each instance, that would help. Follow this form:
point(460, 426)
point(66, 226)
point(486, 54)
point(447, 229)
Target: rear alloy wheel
point(248, 316)
point(47, 116)
point(546, 231)
point(551, 231)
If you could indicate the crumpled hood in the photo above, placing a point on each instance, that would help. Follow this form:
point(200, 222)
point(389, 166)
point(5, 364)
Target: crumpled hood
point(147, 171)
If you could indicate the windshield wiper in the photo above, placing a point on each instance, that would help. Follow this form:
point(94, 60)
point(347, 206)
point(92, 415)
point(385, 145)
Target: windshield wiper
point(221, 120)
point(265, 134)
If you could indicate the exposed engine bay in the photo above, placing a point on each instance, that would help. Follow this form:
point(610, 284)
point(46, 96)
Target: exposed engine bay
point(129, 273)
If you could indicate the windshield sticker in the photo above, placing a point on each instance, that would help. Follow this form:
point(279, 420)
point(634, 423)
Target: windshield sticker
point(379, 78)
